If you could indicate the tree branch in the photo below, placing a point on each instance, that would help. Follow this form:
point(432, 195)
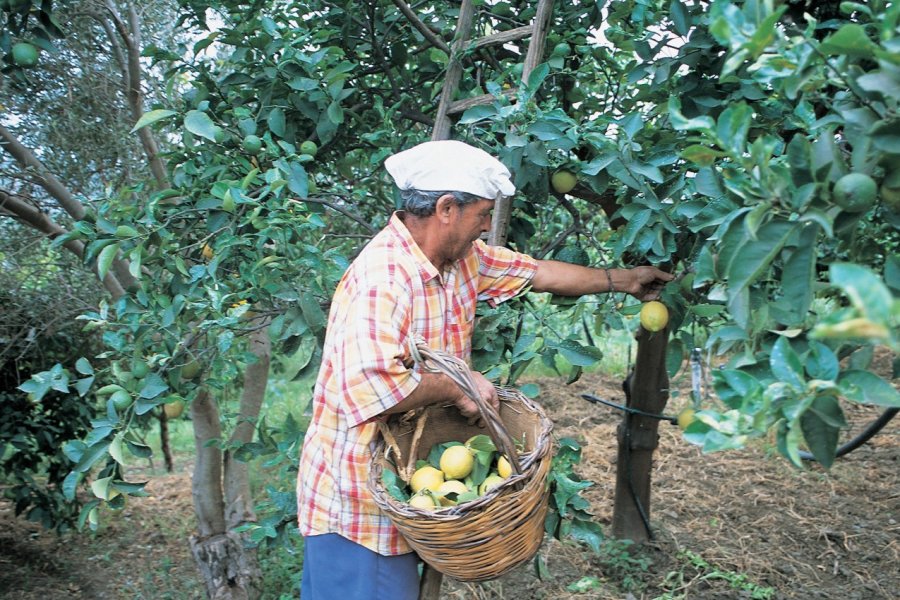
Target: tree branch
point(24, 211)
point(135, 96)
point(238, 501)
point(416, 22)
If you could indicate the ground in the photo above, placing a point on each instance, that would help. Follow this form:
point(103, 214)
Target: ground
point(729, 525)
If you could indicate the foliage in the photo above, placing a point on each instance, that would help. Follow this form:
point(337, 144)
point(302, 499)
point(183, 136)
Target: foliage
point(34, 283)
point(706, 138)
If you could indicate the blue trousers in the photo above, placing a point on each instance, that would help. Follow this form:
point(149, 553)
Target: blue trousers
point(334, 568)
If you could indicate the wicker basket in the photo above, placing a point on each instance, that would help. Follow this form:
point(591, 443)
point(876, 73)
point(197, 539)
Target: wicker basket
point(484, 538)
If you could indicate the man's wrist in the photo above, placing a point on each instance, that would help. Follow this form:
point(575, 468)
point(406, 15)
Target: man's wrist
point(609, 281)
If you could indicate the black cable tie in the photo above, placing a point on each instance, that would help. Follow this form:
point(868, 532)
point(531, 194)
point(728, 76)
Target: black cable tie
point(629, 409)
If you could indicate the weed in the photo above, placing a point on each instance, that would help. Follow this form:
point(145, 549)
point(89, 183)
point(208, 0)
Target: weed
point(677, 582)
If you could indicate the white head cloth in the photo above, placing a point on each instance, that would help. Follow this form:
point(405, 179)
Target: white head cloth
point(450, 166)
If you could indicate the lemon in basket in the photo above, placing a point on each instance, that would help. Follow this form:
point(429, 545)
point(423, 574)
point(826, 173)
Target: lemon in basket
point(457, 462)
point(504, 469)
point(423, 501)
point(451, 486)
point(489, 483)
point(426, 477)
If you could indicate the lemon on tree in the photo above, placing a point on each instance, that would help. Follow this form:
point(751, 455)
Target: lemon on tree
point(563, 181)
point(174, 409)
point(855, 192)
point(309, 147)
point(252, 144)
point(456, 462)
point(25, 54)
point(426, 477)
point(685, 418)
point(654, 316)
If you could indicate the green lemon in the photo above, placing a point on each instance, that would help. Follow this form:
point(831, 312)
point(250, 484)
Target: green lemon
point(309, 147)
point(563, 181)
point(252, 144)
point(855, 192)
point(24, 54)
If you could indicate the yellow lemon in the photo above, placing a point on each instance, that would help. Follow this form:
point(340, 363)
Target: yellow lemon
point(207, 252)
point(451, 486)
point(685, 418)
point(426, 478)
point(563, 181)
point(654, 316)
point(457, 462)
point(492, 481)
point(504, 469)
point(422, 501)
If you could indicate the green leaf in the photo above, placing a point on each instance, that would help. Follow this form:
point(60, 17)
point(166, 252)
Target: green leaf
point(786, 365)
point(822, 362)
point(152, 117)
point(866, 291)
point(701, 155)
point(867, 388)
point(681, 17)
point(90, 456)
point(105, 259)
point(682, 123)
point(819, 429)
point(200, 124)
point(732, 128)
point(754, 257)
point(153, 386)
point(70, 485)
point(579, 355)
point(83, 366)
point(850, 40)
point(276, 121)
point(799, 274)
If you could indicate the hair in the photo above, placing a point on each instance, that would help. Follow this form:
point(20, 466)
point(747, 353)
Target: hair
point(422, 204)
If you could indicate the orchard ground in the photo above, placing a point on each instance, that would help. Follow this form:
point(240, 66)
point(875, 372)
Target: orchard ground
point(733, 525)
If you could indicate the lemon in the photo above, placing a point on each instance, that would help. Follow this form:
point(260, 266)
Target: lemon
point(207, 252)
point(685, 418)
point(422, 501)
point(426, 478)
point(451, 486)
point(855, 192)
point(309, 147)
point(563, 181)
point(490, 482)
point(504, 469)
point(654, 316)
point(457, 462)
point(174, 409)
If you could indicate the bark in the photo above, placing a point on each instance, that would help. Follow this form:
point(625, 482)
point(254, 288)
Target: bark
point(647, 389)
point(19, 208)
point(57, 190)
point(131, 36)
point(229, 568)
point(238, 500)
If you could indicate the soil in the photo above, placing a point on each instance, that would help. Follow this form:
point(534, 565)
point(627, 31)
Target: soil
point(730, 525)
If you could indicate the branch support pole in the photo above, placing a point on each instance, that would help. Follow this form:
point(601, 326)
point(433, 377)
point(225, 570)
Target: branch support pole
point(646, 389)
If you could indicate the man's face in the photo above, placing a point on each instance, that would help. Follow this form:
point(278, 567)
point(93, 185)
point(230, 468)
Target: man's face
point(471, 220)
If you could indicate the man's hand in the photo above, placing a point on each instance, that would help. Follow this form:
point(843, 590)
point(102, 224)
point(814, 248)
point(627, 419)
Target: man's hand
point(488, 393)
point(644, 283)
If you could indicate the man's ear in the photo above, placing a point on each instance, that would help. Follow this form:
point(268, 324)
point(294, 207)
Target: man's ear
point(444, 207)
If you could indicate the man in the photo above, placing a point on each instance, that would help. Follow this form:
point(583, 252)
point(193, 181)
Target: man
point(421, 275)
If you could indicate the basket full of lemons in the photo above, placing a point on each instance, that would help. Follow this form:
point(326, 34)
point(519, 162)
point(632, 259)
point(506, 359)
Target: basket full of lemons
point(471, 501)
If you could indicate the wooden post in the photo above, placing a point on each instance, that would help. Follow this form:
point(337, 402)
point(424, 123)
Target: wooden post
point(647, 389)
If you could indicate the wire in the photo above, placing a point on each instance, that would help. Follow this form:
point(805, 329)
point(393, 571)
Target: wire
point(629, 409)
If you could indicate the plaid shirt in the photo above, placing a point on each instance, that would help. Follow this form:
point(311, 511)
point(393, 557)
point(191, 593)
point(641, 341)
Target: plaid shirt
point(389, 292)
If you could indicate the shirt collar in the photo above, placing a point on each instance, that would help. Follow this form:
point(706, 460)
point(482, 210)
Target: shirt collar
point(398, 229)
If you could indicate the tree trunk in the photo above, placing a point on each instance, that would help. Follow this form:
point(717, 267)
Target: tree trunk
point(647, 389)
point(229, 569)
point(238, 501)
point(221, 487)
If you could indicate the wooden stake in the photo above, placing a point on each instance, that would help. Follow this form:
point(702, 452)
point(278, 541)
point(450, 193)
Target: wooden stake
point(647, 389)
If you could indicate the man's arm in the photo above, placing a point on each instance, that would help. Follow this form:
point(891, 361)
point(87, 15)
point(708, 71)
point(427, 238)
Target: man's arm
point(567, 279)
point(437, 387)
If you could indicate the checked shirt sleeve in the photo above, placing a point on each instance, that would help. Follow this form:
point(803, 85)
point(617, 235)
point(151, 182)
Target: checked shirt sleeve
point(372, 376)
point(502, 273)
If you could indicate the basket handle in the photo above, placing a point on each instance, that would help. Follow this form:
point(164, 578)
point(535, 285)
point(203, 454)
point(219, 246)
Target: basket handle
point(438, 361)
